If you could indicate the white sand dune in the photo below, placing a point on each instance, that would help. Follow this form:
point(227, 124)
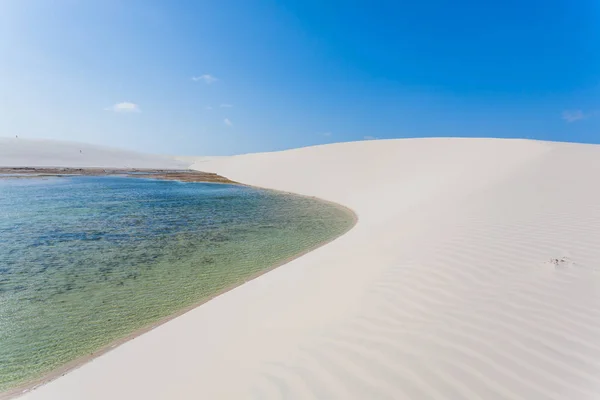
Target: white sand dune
point(473, 273)
point(18, 152)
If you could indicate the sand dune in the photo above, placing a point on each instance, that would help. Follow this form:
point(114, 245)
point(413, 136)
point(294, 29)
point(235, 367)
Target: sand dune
point(473, 273)
point(18, 152)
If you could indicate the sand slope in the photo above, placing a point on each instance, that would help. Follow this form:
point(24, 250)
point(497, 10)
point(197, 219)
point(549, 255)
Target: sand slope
point(52, 153)
point(473, 273)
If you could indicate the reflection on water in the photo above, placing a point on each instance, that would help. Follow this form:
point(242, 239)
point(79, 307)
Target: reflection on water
point(87, 260)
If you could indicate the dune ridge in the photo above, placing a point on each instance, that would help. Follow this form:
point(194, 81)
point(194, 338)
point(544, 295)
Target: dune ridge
point(473, 273)
point(20, 152)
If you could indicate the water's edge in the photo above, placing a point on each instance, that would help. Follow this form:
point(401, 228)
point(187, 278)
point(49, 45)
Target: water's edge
point(79, 362)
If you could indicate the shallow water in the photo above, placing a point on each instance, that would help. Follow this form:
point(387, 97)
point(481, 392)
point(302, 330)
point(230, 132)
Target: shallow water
point(87, 260)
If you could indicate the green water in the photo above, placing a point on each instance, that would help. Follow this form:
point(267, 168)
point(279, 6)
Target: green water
point(88, 260)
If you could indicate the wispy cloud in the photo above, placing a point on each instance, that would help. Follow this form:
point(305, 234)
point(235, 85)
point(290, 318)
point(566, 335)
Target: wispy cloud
point(208, 107)
point(228, 122)
point(124, 107)
point(206, 78)
point(370, 137)
point(574, 115)
point(226, 105)
point(327, 134)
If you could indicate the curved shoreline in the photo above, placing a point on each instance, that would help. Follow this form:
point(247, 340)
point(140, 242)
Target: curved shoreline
point(81, 361)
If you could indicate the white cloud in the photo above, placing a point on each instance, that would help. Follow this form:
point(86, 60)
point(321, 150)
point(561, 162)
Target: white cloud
point(228, 122)
point(209, 108)
point(226, 106)
point(206, 78)
point(124, 107)
point(573, 115)
point(370, 138)
point(327, 134)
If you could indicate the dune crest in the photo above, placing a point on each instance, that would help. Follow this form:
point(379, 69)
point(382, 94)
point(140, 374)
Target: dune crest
point(473, 272)
point(19, 152)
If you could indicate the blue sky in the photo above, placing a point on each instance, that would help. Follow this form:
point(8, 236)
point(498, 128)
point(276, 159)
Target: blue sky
point(227, 77)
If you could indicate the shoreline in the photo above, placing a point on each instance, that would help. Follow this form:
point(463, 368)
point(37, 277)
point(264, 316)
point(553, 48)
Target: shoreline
point(22, 389)
point(181, 175)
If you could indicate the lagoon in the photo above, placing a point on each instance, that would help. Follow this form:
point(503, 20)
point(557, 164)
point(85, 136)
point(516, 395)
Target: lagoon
point(86, 261)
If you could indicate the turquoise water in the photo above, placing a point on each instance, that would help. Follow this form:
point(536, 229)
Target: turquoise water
point(88, 260)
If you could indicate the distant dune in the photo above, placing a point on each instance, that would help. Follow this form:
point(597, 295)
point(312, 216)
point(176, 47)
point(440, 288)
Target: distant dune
point(472, 273)
point(17, 152)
